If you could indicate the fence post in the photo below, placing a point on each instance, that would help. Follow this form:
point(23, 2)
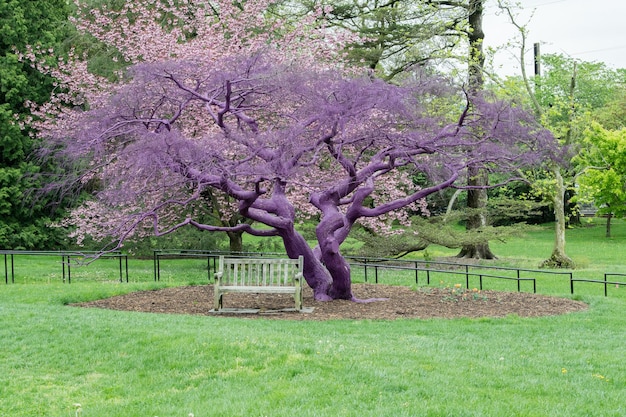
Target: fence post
point(365, 268)
point(69, 270)
point(208, 267)
point(63, 266)
point(121, 276)
point(154, 264)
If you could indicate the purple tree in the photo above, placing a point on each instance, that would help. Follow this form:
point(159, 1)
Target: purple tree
point(278, 140)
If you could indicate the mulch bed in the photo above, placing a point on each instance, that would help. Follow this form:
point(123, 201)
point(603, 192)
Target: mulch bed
point(401, 302)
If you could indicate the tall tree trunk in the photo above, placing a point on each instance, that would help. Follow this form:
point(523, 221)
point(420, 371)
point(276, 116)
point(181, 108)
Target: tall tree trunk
point(608, 224)
point(476, 198)
point(476, 38)
point(559, 259)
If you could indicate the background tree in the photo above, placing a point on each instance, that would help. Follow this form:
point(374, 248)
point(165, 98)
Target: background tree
point(602, 181)
point(42, 24)
point(612, 115)
point(477, 179)
point(563, 96)
point(115, 34)
point(270, 132)
point(393, 35)
point(569, 92)
point(396, 35)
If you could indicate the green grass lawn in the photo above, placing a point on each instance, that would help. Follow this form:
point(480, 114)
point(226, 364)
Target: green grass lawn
point(53, 357)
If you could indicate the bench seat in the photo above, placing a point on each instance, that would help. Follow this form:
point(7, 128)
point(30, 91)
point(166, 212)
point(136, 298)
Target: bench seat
point(259, 275)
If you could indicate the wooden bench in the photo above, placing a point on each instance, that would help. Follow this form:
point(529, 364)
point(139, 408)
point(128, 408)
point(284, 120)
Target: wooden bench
point(265, 275)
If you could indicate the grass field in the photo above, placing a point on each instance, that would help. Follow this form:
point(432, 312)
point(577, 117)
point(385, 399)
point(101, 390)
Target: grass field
point(57, 360)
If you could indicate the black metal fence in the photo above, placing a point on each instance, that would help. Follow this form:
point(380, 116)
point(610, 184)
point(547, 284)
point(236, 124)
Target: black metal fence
point(467, 271)
point(371, 267)
point(68, 258)
point(605, 282)
point(210, 256)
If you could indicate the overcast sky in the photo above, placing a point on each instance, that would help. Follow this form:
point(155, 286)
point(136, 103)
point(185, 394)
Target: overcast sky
point(589, 30)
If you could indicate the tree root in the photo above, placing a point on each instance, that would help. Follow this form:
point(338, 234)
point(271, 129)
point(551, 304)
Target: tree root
point(367, 300)
point(322, 297)
point(558, 261)
point(326, 298)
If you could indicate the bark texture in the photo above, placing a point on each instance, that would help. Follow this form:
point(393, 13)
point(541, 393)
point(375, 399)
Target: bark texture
point(477, 200)
point(477, 197)
point(559, 258)
point(235, 241)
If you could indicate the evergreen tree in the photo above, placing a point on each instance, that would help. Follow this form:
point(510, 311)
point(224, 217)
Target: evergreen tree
point(40, 24)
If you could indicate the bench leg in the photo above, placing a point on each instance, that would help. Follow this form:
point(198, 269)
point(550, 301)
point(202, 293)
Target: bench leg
point(217, 303)
point(298, 298)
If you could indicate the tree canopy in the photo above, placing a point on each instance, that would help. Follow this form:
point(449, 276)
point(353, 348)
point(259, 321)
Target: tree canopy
point(603, 171)
point(280, 139)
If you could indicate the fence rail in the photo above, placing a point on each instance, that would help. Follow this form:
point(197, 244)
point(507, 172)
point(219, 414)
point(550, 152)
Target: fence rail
point(605, 282)
point(376, 265)
point(67, 258)
point(466, 273)
point(466, 270)
point(211, 257)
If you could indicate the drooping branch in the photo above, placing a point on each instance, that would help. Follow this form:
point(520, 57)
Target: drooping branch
point(281, 142)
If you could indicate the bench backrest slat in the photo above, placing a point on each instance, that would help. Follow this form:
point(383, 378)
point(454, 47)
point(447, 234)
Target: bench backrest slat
point(259, 275)
point(259, 272)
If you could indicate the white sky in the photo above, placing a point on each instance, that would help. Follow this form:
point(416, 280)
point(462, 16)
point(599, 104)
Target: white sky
point(589, 30)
